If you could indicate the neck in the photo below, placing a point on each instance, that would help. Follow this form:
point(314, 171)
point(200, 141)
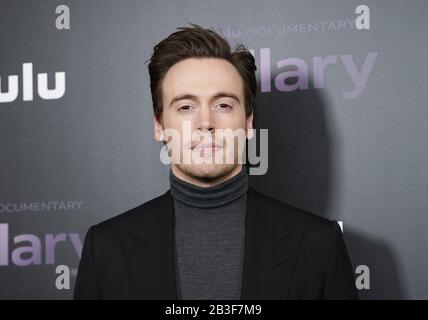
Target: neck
point(201, 183)
point(209, 197)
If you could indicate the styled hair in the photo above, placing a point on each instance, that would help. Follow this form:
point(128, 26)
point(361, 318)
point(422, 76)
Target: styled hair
point(198, 42)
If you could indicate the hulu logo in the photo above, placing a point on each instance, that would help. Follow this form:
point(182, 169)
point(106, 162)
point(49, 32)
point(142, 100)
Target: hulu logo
point(27, 85)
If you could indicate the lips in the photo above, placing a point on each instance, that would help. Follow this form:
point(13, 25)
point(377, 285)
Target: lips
point(207, 145)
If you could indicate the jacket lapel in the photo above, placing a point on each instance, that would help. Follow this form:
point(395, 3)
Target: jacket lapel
point(149, 252)
point(271, 251)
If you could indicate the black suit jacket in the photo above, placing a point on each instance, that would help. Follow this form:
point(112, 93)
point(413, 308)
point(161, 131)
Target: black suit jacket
point(289, 254)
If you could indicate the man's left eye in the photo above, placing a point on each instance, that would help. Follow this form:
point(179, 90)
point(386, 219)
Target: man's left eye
point(224, 106)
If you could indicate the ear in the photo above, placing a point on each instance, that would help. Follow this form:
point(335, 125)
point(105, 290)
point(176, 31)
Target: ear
point(250, 132)
point(157, 130)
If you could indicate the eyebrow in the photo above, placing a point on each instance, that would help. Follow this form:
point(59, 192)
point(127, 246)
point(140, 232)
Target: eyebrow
point(218, 95)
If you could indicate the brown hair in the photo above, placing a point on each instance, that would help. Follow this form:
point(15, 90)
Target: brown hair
point(195, 41)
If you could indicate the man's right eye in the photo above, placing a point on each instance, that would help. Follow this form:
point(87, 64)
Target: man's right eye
point(184, 108)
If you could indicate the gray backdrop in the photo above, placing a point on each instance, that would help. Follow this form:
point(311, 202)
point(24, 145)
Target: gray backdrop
point(346, 145)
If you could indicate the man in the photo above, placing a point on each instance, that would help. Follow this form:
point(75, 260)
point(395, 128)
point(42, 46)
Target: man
point(211, 235)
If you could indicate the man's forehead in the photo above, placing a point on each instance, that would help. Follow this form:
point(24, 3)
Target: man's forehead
point(202, 82)
point(202, 73)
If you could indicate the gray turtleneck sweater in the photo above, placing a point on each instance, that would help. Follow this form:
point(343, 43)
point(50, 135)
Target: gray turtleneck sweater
point(209, 237)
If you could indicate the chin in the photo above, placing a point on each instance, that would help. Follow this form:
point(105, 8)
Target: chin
point(207, 172)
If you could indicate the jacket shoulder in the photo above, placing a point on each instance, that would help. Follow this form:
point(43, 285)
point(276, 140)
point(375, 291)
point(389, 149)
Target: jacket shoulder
point(297, 218)
point(127, 220)
point(320, 232)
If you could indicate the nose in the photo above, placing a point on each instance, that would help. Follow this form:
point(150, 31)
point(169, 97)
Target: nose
point(205, 120)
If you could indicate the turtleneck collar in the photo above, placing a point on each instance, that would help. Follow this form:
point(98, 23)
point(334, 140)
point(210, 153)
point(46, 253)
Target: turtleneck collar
point(208, 197)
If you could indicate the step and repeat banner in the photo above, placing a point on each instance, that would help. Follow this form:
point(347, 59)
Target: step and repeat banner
point(342, 90)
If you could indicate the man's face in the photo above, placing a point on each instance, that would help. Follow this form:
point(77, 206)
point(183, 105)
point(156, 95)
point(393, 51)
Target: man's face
point(204, 95)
